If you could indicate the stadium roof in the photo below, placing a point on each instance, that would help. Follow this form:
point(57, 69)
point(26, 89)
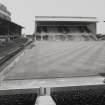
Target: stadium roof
point(66, 18)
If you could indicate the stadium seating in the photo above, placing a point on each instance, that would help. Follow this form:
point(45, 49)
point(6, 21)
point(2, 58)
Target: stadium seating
point(9, 46)
point(18, 99)
point(87, 95)
point(70, 33)
point(80, 96)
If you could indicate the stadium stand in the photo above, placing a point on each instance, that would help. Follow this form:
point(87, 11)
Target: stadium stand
point(66, 32)
point(10, 48)
point(10, 34)
point(67, 29)
point(18, 99)
point(78, 95)
point(7, 47)
point(86, 96)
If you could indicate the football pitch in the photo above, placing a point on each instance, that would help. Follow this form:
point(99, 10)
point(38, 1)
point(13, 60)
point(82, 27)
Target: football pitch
point(58, 59)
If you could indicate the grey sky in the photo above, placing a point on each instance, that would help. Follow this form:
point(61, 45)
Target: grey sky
point(24, 11)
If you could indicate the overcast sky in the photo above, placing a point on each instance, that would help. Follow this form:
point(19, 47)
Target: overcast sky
point(24, 11)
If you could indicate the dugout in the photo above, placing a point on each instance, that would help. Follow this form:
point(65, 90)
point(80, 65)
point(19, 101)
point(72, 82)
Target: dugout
point(53, 27)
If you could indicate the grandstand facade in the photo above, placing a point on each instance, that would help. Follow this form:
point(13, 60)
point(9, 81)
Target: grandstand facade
point(64, 28)
point(8, 29)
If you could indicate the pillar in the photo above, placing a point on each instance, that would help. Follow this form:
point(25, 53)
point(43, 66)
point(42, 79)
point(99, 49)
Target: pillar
point(41, 38)
point(35, 37)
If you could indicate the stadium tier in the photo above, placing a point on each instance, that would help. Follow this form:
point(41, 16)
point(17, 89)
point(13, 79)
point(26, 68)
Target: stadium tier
point(87, 95)
point(62, 28)
point(8, 29)
point(78, 95)
point(18, 99)
point(7, 47)
point(10, 34)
